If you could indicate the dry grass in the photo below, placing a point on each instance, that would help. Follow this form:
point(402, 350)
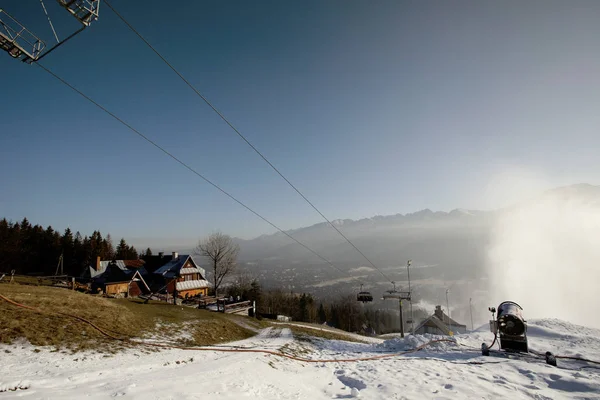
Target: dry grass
point(28, 280)
point(303, 333)
point(123, 317)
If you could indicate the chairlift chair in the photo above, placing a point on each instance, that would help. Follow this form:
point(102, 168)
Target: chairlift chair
point(364, 296)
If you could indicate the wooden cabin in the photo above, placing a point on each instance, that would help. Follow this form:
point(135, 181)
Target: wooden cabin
point(116, 282)
point(182, 277)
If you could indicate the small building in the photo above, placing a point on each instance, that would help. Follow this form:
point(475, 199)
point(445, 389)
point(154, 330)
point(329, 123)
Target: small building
point(182, 277)
point(439, 324)
point(117, 282)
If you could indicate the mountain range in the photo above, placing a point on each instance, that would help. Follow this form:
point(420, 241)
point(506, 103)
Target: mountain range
point(390, 238)
point(447, 249)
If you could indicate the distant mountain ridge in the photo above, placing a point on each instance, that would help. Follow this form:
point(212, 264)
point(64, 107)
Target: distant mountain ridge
point(375, 233)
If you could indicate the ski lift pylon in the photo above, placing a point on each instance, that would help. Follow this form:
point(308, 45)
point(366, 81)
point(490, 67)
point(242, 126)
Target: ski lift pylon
point(17, 40)
point(364, 296)
point(22, 44)
point(86, 11)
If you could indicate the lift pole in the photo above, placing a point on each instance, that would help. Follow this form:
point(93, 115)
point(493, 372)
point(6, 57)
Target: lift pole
point(448, 307)
point(412, 319)
point(401, 319)
point(394, 294)
point(471, 310)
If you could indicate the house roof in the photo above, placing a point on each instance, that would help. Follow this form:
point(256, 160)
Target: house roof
point(196, 270)
point(124, 265)
point(445, 318)
point(175, 267)
point(155, 262)
point(445, 323)
point(435, 321)
point(134, 263)
point(189, 285)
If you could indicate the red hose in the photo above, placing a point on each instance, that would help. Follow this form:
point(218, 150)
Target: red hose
point(274, 353)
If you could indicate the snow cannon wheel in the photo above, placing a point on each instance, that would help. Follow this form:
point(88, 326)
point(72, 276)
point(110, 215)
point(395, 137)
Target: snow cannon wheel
point(485, 350)
point(550, 359)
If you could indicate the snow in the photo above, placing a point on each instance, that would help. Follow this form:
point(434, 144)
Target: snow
point(195, 284)
point(445, 371)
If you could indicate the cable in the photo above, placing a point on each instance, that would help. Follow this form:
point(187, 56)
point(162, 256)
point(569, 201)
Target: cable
point(146, 138)
point(242, 136)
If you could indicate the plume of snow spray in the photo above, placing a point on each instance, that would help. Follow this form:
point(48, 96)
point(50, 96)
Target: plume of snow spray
point(545, 255)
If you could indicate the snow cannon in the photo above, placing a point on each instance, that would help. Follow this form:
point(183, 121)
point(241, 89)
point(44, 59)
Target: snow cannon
point(509, 327)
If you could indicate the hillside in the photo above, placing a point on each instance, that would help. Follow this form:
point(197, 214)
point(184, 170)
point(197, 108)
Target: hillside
point(123, 318)
point(445, 370)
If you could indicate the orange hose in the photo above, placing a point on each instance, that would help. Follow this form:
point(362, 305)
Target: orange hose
point(271, 352)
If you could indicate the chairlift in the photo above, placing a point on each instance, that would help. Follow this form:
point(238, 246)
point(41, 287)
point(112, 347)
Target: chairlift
point(17, 40)
point(21, 43)
point(85, 11)
point(363, 296)
point(395, 294)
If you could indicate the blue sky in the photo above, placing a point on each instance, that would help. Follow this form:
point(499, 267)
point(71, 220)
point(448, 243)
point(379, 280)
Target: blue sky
point(367, 107)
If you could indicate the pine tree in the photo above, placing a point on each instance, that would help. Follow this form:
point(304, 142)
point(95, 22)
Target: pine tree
point(122, 250)
point(322, 315)
point(108, 249)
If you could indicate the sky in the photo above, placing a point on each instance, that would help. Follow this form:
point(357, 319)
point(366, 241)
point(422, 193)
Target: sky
point(369, 108)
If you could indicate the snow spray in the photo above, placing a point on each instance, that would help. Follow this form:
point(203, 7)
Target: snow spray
point(545, 255)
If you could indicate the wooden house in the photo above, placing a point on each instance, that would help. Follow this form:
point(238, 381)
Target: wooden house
point(127, 266)
point(115, 281)
point(182, 277)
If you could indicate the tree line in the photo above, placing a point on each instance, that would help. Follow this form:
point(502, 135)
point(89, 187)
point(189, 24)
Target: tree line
point(344, 313)
point(33, 249)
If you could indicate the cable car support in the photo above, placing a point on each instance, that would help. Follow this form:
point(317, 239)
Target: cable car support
point(21, 43)
point(394, 294)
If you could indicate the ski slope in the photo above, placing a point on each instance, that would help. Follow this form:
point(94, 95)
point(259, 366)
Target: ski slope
point(442, 371)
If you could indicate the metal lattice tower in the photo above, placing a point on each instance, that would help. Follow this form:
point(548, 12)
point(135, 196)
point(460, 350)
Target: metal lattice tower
point(86, 11)
point(17, 40)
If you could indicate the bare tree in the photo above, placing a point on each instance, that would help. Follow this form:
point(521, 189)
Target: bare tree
point(222, 253)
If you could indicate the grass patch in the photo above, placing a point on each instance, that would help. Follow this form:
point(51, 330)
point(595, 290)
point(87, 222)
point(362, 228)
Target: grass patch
point(302, 333)
point(28, 280)
point(129, 318)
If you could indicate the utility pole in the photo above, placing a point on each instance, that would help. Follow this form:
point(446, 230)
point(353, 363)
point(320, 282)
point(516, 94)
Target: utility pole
point(448, 307)
point(401, 319)
point(412, 320)
point(471, 310)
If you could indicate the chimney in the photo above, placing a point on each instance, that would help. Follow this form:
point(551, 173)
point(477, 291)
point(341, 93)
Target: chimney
point(161, 254)
point(175, 255)
point(97, 266)
point(439, 313)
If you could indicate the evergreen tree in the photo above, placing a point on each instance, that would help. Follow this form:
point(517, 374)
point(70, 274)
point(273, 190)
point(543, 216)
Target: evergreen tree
point(322, 315)
point(122, 250)
point(108, 250)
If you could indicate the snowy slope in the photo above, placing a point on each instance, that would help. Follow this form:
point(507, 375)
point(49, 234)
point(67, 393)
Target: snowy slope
point(443, 371)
